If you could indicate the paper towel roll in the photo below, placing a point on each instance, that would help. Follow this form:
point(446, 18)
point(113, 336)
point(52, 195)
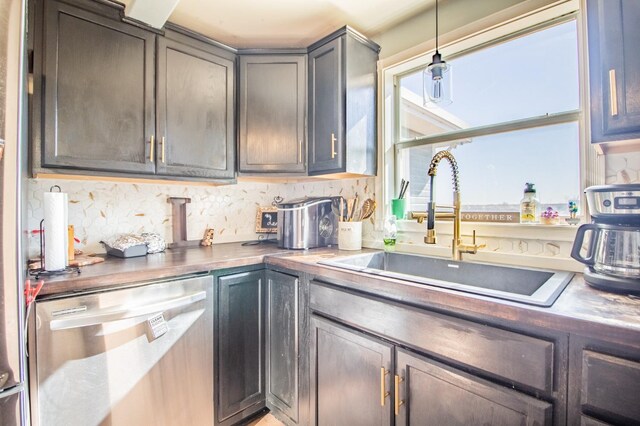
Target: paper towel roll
point(55, 231)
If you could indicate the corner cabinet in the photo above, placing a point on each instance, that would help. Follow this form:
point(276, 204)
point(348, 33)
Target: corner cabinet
point(342, 105)
point(283, 351)
point(614, 69)
point(97, 91)
point(195, 132)
point(272, 113)
point(105, 104)
point(240, 373)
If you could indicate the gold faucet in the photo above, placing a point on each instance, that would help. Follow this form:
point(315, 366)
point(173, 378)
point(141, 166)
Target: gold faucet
point(457, 247)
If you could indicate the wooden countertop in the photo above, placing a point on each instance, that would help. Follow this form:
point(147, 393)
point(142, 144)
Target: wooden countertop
point(579, 309)
point(116, 272)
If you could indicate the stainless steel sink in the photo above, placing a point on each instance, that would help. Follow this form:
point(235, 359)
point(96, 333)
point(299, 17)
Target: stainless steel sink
point(532, 286)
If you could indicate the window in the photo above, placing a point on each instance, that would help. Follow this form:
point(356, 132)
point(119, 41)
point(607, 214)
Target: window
point(514, 119)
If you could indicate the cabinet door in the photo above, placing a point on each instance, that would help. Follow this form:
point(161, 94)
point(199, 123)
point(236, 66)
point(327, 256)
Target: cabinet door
point(240, 345)
point(195, 107)
point(350, 376)
point(430, 393)
point(272, 113)
point(282, 343)
point(326, 108)
point(98, 87)
point(614, 66)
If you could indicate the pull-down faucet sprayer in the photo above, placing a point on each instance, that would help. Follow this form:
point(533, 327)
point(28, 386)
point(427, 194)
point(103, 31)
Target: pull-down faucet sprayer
point(457, 248)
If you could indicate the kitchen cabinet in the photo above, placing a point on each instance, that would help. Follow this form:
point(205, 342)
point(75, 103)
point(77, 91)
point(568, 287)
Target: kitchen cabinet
point(96, 83)
point(351, 376)
point(282, 343)
point(342, 105)
point(105, 104)
point(240, 346)
point(497, 376)
point(614, 69)
point(604, 383)
point(272, 113)
point(431, 393)
point(195, 133)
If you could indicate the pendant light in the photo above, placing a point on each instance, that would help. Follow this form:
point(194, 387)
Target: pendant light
point(436, 77)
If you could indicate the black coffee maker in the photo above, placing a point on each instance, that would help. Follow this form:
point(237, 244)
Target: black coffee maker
point(613, 251)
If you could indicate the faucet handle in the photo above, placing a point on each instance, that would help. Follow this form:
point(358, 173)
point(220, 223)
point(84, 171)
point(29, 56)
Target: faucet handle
point(473, 247)
point(473, 241)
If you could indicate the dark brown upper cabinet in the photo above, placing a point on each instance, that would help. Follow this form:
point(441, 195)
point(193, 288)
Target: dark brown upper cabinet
point(614, 69)
point(272, 113)
point(105, 104)
point(342, 105)
point(97, 83)
point(195, 133)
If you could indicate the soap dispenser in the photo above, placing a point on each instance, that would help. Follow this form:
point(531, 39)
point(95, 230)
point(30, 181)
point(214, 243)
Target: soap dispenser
point(529, 205)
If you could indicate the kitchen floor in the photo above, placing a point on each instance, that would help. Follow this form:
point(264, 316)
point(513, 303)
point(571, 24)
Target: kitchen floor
point(266, 420)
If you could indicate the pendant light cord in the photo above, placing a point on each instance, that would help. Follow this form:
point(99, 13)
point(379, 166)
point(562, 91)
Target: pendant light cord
point(436, 26)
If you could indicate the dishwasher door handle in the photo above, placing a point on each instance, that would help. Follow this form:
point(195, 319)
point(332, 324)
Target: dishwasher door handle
point(118, 313)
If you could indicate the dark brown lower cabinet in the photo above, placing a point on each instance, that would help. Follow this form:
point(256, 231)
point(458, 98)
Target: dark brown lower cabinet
point(604, 383)
point(240, 346)
point(350, 376)
point(357, 379)
point(283, 350)
point(431, 393)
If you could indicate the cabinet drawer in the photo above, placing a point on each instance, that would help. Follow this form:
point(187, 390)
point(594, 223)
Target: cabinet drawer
point(517, 358)
point(610, 387)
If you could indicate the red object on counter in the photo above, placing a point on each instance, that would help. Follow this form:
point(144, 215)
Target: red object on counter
point(31, 292)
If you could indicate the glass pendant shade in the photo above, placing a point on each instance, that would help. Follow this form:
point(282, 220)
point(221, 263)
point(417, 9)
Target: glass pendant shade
point(436, 82)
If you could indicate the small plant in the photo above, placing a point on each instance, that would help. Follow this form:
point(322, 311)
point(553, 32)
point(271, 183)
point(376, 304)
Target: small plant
point(549, 216)
point(550, 213)
point(573, 209)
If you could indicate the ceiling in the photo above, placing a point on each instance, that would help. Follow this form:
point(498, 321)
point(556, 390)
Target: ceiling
point(289, 23)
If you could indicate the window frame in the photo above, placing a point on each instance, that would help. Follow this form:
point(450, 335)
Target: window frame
point(591, 165)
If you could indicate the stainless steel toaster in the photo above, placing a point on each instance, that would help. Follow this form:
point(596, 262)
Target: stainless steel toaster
point(307, 223)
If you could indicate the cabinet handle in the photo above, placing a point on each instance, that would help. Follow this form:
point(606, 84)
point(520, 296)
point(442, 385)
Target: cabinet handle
point(383, 392)
point(300, 151)
point(151, 148)
point(333, 145)
point(398, 402)
point(162, 143)
point(613, 93)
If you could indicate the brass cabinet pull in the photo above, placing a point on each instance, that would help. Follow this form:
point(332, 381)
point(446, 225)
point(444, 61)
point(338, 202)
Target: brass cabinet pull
point(162, 143)
point(613, 93)
point(333, 145)
point(383, 392)
point(300, 151)
point(151, 148)
point(398, 402)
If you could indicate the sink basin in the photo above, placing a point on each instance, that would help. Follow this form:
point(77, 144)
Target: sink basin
point(531, 286)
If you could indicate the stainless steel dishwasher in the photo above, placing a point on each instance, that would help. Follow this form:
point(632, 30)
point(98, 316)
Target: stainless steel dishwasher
point(133, 356)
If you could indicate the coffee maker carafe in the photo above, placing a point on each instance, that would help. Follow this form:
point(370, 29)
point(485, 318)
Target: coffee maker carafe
point(613, 252)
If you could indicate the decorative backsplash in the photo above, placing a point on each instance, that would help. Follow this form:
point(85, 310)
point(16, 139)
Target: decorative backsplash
point(623, 168)
point(98, 210)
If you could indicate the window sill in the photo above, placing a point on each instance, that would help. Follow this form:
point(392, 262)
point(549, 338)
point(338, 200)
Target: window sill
point(562, 232)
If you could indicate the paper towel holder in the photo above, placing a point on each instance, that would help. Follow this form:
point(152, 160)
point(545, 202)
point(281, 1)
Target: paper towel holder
point(41, 271)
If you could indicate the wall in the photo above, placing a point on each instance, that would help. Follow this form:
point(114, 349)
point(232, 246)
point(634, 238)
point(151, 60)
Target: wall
point(99, 210)
point(457, 19)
